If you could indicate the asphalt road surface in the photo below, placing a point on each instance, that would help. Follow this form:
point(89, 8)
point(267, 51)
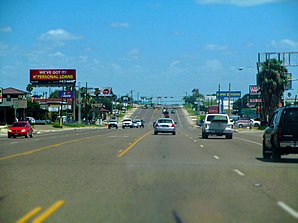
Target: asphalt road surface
point(131, 175)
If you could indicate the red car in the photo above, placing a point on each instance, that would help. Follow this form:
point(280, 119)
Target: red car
point(23, 128)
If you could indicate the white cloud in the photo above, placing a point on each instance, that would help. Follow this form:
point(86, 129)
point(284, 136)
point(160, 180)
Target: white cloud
point(241, 3)
point(215, 47)
point(57, 54)
point(119, 25)
point(285, 44)
point(212, 66)
point(58, 35)
point(6, 29)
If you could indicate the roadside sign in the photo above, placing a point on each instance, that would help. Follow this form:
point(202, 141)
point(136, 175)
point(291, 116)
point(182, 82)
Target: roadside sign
point(66, 94)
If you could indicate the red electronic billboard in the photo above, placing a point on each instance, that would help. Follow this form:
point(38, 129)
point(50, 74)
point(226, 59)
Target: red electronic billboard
point(52, 77)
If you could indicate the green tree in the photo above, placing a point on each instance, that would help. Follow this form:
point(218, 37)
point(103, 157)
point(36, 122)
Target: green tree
point(54, 94)
point(29, 88)
point(272, 80)
point(196, 96)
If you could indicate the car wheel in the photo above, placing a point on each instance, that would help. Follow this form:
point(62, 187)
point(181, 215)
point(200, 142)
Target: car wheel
point(266, 152)
point(174, 133)
point(276, 154)
point(8, 136)
point(14, 136)
point(229, 136)
point(240, 126)
point(123, 127)
point(155, 133)
point(27, 135)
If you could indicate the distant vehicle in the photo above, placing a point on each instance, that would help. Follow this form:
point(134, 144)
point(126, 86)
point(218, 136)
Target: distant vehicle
point(166, 114)
point(243, 122)
point(22, 128)
point(113, 124)
point(281, 135)
point(127, 122)
point(31, 120)
point(217, 124)
point(137, 123)
point(173, 112)
point(255, 122)
point(164, 125)
point(200, 122)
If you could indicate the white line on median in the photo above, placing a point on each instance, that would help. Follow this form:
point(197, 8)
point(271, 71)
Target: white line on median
point(288, 209)
point(239, 172)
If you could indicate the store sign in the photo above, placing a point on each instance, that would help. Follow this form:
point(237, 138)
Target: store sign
point(254, 90)
point(228, 94)
point(66, 94)
point(104, 91)
point(255, 100)
point(53, 77)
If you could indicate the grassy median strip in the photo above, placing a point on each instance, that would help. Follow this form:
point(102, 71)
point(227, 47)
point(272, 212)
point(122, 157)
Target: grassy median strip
point(123, 152)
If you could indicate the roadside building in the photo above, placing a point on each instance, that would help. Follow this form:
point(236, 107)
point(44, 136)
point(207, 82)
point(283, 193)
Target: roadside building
point(13, 105)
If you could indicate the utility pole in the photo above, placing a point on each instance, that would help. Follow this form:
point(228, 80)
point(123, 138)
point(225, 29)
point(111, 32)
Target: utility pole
point(229, 102)
point(79, 106)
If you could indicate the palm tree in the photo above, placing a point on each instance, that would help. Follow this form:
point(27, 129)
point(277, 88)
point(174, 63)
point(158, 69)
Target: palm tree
point(272, 80)
point(30, 88)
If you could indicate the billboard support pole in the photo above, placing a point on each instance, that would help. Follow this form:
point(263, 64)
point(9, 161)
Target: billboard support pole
point(79, 105)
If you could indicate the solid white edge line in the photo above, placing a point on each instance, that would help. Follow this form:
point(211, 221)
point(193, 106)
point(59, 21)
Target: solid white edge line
point(288, 209)
point(239, 172)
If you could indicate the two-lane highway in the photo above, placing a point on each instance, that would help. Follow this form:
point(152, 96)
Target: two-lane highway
point(131, 175)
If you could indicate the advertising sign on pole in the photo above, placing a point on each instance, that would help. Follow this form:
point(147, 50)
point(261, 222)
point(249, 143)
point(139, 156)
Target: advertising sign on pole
point(52, 77)
point(254, 90)
point(226, 94)
point(104, 91)
point(66, 94)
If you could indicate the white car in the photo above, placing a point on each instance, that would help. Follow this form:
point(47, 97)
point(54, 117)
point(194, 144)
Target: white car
point(217, 124)
point(164, 125)
point(127, 122)
point(255, 122)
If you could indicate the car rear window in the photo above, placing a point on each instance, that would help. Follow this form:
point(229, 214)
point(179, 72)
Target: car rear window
point(19, 125)
point(217, 118)
point(291, 116)
point(164, 121)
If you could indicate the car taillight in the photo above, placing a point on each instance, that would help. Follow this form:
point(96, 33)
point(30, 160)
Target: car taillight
point(173, 125)
point(206, 126)
point(156, 125)
point(279, 133)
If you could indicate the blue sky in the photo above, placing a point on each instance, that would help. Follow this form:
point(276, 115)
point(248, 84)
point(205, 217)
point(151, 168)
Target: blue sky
point(155, 48)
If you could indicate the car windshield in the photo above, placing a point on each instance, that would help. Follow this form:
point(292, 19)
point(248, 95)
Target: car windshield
point(19, 125)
